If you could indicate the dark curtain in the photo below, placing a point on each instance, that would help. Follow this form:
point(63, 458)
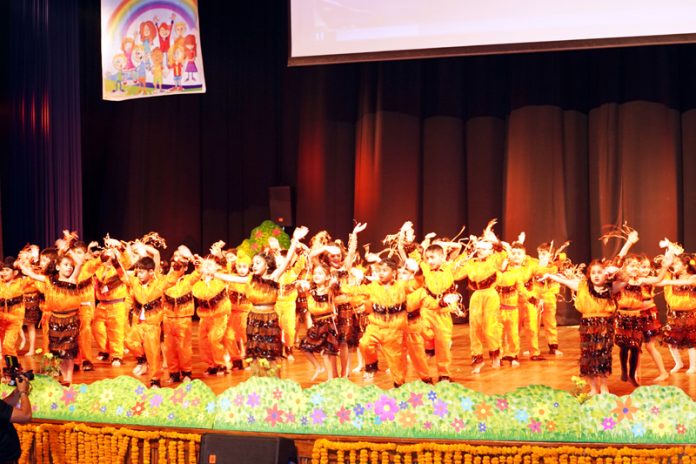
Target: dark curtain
point(554, 144)
point(41, 163)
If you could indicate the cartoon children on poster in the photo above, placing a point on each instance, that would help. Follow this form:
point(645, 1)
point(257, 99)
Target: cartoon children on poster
point(145, 55)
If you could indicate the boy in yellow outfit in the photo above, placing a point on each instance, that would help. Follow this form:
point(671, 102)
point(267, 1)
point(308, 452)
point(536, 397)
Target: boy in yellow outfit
point(235, 337)
point(437, 298)
point(177, 323)
point(484, 307)
point(213, 307)
point(388, 319)
point(147, 287)
point(547, 293)
point(111, 313)
point(511, 289)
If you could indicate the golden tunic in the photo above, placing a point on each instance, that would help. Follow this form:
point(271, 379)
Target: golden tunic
point(590, 305)
point(178, 299)
point(211, 297)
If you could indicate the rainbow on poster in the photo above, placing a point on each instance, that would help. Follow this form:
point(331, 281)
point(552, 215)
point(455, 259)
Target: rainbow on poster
point(150, 48)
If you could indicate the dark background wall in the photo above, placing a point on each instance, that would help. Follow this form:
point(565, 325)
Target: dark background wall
point(556, 144)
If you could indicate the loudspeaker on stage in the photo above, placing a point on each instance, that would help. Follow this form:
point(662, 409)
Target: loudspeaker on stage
point(231, 449)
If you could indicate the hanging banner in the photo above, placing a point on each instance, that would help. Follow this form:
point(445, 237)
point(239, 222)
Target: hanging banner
point(150, 48)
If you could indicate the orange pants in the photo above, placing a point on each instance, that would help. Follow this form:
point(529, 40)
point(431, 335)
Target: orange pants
point(10, 326)
point(484, 322)
point(109, 328)
point(85, 338)
point(287, 320)
point(548, 318)
point(235, 335)
point(44, 329)
point(415, 347)
point(510, 319)
point(529, 323)
point(389, 336)
point(143, 339)
point(178, 336)
point(211, 331)
point(439, 321)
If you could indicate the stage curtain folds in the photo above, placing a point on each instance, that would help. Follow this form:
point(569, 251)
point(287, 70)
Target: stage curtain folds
point(41, 170)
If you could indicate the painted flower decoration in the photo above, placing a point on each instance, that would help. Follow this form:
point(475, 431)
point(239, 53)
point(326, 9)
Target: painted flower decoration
point(522, 415)
point(318, 416)
point(457, 424)
point(138, 409)
point(386, 408)
point(624, 410)
point(482, 427)
point(550, 426)
point(274, 415)
point(69, 396)
point(638, 430)
point(440, 408)
point(467, 404)
point(608, 423)
point(534, 426)
point(343, 415)
point(483, 411)
point(407, 419)
point(253, 399)
point(416, 400)
point(681, 429)
point(178, 396)
point(502, 404)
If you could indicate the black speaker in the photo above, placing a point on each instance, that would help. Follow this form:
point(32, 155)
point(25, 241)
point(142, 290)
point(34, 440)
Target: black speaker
point(280, 205)
point(231, 449)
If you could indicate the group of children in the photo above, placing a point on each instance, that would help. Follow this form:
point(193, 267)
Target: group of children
point(398, 302)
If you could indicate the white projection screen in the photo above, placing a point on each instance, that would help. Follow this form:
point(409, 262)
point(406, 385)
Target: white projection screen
point(336, 31)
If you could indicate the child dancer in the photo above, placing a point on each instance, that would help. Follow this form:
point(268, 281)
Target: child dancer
point(321, 336)
point(595, 301)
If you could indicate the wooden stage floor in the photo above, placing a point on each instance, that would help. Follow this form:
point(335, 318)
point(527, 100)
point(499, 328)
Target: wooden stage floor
point(555, 371)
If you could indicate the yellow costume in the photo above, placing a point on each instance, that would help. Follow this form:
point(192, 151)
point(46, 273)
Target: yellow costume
point(509, 283)
point(143, 338)
point(484, 307)
point(681, 317)
point(111, 313)
point(12, 313)
point(596, 330)
point(177, 326)
point(529, 311)
point(213, 308)
point(63, 301)
point(436, 313)
point(85, 280)
point(547, 292)
point(414, 341)
point(263, 330)
point(285, 304)
point(236, 337)
point(386, 327)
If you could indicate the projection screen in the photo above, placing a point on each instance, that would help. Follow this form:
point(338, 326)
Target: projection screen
point(334, 31)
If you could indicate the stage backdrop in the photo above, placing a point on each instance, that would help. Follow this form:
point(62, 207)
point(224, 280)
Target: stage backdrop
point(556, 144)
point(150, 48)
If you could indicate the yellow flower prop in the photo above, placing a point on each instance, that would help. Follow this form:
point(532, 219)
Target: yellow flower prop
point(78, 443)
point(325, 452)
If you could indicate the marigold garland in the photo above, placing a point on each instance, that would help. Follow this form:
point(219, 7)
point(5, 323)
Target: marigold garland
point(325, 452)
point(73, 443)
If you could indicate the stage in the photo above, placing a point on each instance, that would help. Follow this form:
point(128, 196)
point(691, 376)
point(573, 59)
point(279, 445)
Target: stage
point(536, 402)
point(555, 371)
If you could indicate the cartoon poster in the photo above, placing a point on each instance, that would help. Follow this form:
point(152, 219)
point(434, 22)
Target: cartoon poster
point(150, 48)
